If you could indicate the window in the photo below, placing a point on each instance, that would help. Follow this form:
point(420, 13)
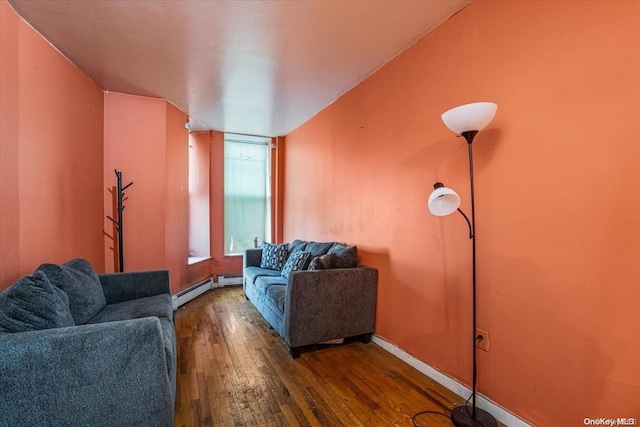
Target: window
point(247, 195)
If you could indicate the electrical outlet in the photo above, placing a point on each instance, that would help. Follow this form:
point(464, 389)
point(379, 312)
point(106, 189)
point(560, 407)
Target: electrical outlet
point(482, 339)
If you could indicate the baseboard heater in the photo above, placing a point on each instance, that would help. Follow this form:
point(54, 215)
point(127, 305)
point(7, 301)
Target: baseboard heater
point(229, 279)
point(191, 292)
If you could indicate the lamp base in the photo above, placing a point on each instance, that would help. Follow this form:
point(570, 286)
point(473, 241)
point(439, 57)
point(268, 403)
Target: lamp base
point(461, 416)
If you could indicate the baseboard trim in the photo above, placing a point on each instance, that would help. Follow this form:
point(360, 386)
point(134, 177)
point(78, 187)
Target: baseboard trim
point(501, 414)
point(192, 292)
point(229, 279)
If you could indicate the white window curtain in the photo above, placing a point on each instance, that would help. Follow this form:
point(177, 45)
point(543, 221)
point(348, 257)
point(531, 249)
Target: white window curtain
point(247, 195)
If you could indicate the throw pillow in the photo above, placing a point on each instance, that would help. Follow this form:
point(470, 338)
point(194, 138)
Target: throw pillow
point(274, 256)
point(33, 303)
point(344, 256)
point(82, 286)
point(318, 248)
point(295, 262)
point(297, 245)
point(322, 262)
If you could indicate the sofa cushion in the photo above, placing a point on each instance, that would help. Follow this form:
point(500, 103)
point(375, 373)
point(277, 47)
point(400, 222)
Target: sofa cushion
point(82, 286)
point(263, 282)
point(155, 306)
point(274, 256)
point(297, 245)
point(33, 303)
point(252, 273)
point(344, 256)
point(276, 296)
point(322, 262)
point(298, 260)
point(318, 248)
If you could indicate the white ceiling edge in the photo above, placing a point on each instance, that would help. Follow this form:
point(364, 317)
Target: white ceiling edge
point(247, 67)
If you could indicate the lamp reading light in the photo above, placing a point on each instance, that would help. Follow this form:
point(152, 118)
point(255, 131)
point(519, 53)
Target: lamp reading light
point(466, 121)
point(443, 201)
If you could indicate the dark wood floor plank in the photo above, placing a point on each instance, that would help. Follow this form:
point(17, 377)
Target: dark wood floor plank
point(233, 370)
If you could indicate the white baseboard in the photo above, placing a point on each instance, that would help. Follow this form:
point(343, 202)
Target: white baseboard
point(229, 279)
point(501, 414)
point(191, 292)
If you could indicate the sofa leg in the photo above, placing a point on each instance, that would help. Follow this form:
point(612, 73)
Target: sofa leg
point(295, 352)
point(365, 338)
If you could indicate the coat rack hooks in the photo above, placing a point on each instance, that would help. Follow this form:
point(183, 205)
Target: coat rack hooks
point(118, 222)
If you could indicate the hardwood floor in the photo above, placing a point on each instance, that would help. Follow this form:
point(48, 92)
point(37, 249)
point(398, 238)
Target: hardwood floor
point(233, 370)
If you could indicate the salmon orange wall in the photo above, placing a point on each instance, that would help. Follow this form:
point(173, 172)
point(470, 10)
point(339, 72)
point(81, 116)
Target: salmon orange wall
point(135, 144)
point(200, 195)
point(277, 188)
point(51, 155)
point(146, 140)
point(177, 196)
point(221, 264)
point(557, 203)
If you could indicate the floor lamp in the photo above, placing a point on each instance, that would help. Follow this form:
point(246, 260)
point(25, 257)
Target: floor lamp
point(465, 121)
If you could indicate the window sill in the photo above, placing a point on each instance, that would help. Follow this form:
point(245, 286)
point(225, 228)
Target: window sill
point(233, 255)
point(193, 260)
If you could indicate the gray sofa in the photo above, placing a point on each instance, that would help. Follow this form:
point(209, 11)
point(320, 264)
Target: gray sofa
point(81, 349)
point(334, 299)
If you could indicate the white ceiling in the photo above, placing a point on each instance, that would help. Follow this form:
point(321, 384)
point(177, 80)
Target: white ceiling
point(250, 67)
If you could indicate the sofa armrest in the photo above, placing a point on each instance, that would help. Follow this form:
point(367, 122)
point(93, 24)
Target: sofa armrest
point(111, 373)
point(251, 258)
point(328, 304)
point(119, 287)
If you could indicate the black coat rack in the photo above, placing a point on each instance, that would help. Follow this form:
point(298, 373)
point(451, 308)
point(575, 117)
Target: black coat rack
point(118, 222)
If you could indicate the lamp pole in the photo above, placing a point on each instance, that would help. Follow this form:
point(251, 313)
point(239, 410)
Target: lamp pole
point(444, 201)
point(468, 136)
point(460, 415)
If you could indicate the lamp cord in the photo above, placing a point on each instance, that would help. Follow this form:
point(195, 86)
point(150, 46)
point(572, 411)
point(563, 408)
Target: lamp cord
point(413, 418)
point(466, 403)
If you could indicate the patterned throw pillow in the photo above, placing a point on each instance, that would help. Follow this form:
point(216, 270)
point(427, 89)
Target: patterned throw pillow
point(274, 256)
point(295, 262)
point(322, 262)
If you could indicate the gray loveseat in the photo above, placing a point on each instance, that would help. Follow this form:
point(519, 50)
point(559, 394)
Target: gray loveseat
point(81, 349)
point(325, 297)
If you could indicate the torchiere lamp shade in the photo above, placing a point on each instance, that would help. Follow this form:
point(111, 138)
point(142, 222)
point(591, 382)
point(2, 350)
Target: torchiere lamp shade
point(468, 117)
point(443, 201)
